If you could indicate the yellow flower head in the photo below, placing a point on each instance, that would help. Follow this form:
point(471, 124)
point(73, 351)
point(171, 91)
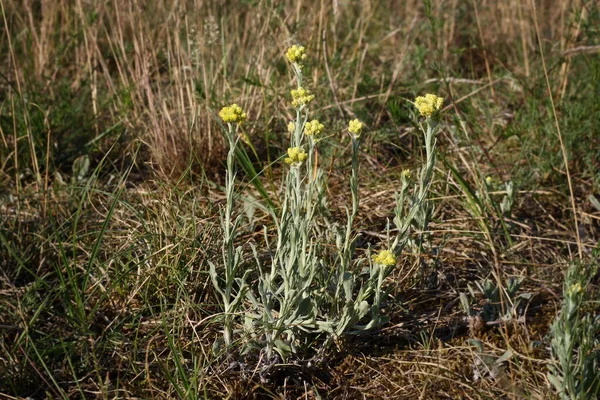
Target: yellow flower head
point(313, 128)
point(291, 127)
point(301, 97)
point(296, 156)
point(233, 113)
point(385, 257)
point(489, 180)
point(429, 104)
point(574, 289)
point(355, 127)
point(406, 173)
point(296, 54)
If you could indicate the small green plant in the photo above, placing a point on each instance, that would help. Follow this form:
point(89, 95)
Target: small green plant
point(501, 210)
point(232, 291)
point(575, 341)
point(502, 302)
point(304, 290)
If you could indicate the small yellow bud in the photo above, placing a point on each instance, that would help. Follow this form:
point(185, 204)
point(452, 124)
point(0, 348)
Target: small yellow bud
point(429, 104)
point(313, 128)
point(406, 173)
point(233, 113)
point(385, 257)
point(301, 97)
point(355, 127)
point(489, 180)
point(574, 289)
point(291, 127)
point(296, 156)
point(296, 54)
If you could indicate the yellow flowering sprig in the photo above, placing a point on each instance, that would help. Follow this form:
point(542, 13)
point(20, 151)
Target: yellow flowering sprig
point(428, 104)
point(291, 127)
point(233, 114)
point(301, 97)
point(233, 281)
point(296, 156)
point(296, 55)
point(385, 257)
point(355, 128)
point(574, 289)
point(313, 128)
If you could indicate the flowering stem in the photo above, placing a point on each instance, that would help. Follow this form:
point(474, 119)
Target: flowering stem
point(229, 235)
point(298, 131)
point(346, 252)
point(430, 157)
point(354, 177)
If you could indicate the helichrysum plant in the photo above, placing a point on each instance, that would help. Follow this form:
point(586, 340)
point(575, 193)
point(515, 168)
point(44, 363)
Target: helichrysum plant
point(304, 290)
point(576, 341)
point(232, 287)
point(503, 302)
point(420, 211)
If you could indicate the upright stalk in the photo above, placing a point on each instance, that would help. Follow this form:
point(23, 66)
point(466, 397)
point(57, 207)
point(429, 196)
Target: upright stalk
point(229, 236)
point(232, 115)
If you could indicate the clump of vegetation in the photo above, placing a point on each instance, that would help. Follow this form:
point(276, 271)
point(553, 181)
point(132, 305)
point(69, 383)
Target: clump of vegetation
point(303, 243)
point(575, 339)
point(305, 290)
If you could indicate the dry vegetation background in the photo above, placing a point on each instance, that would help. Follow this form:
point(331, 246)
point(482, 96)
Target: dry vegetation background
point(111, 161)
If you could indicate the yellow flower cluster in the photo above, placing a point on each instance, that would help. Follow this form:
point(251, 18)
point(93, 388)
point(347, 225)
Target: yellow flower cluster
point(296, 54)
point(313, 128)
point(574, 289)
point(296, 156)
point(429, 104)
point(355, 127)
point(406, 173)
point(385, 257)
point(233, 113)
point(301, 97)
point(291, 127)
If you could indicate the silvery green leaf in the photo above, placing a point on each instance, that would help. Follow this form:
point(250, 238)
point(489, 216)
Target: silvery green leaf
point(237, 256)
point(325, 326)
point(256, 256)
point(556, 382)
point(237, 300)
point(283, 348)
point(248, 322)
point(217, 346)
point(212, 270)
point(464, 301)
point(80, 167)
point(509, 188)
point(249, 208)
point(475, 342)
point(363, 309)
point(305, 308)
point(594, 202)
point(471, 290)
point(348, 284)
point(513, 284)
point(505, 357)
point(250, 346)
point(58, 179)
